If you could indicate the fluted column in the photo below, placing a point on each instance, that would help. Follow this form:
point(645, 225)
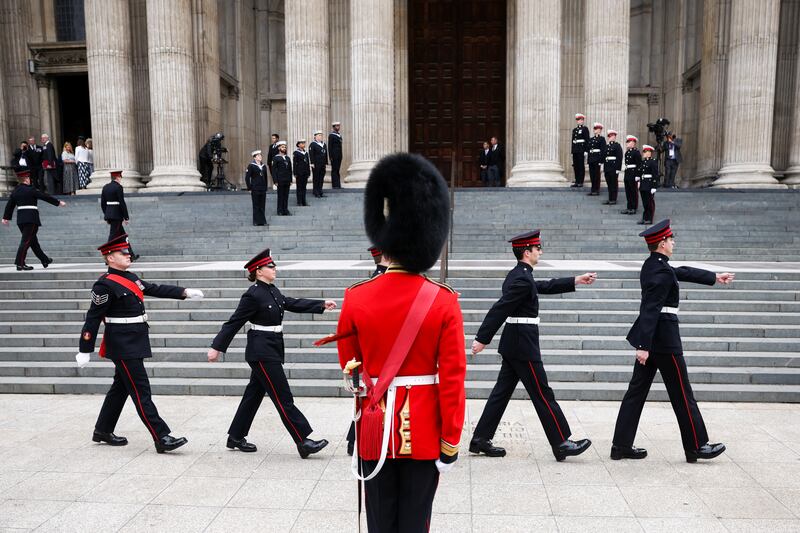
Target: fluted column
point(44, 85)
point(537, 84)
point(108, 58)
point(572, 98)
point(792, 174)
point(7, 179)
point(172, 111)
point(308, 86)
point(605, 79)
point(339, 23)
point(750, 96)
point(372, 84)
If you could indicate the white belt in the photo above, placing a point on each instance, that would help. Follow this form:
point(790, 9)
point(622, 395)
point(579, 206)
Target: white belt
point(273, 329)
point(578, 140)
point(630, 166)
point(595, 150)
point(611, 158)
point(126, 320)
point(410, 381)
point(522, 320)
point(647, 175)
point(27, 207)
point(112, 203)
point(670, 310)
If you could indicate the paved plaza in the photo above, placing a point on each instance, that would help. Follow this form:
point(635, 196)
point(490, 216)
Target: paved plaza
point(53, 478)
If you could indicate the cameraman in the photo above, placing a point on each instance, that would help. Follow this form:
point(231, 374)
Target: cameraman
point(672, 158)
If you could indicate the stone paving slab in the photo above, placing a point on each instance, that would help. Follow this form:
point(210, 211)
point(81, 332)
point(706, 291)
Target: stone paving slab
point(53, 478)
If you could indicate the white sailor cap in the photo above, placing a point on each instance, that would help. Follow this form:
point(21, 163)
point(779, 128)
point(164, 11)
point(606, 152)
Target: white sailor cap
point(630, 138)
point(337, 123)
point(255, 152)
point(280, 143)
point(318, 132)
point(299, 141)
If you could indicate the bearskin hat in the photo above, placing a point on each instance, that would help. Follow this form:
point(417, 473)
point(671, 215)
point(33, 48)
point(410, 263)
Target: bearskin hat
point(407, 210)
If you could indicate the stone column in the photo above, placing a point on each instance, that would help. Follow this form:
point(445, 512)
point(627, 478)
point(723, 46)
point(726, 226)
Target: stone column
point(7, 178)
point(108, 59)
point(607, 48)
point(339, 23)
point(308, 86)
point(537, 84)
point(43, 83)
point(372, 85)
point(792, 174)
point(750, 96)
point(572, 98)
point(172, 111)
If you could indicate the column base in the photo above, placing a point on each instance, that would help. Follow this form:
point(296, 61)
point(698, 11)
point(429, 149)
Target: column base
point(174, 179)
point(358, 173)
point(8, 181)
point(537, 174)
point(792, 177)
point(131, 180)
point(747, 176)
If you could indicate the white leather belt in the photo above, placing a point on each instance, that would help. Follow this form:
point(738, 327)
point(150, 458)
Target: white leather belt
point(522, 320)
point(112, 203)
point(578, 140)
point(595, 150)
point(273, 329)
point(670, 310)
point(611, 158)
point(630, 166)
point(647, 175)
point(126, 320)
point(27, 207)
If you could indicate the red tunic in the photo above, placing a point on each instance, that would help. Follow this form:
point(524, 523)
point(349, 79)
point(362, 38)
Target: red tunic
point(375, 309)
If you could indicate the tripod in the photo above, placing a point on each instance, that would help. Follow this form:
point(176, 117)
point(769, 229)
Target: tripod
point(219, 182)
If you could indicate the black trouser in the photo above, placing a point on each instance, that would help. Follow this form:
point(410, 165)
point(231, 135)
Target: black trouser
point(268, 377)
point(534, 379)
point(259, 199)
point(302, 183)
point(648, 199)
point(49, 178)
point(283, 197)
point(130, 379)
point(577, 164)
point(670, 170)
point(594, 176)
point(115, 229)
point(612, 181)
point(318, 179)
point(29, 240)
point(631, 192)
point(336, 165)
point(36, 178)
point(400, 498)
point(676, 380)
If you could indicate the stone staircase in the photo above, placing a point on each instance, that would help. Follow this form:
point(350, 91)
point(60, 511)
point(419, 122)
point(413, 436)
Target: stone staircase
point(742, 341)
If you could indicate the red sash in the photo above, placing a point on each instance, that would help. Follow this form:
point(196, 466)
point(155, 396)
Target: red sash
point(131, 286)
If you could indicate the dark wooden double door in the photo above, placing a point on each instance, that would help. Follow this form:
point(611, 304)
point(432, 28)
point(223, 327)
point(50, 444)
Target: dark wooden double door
point(457, 78)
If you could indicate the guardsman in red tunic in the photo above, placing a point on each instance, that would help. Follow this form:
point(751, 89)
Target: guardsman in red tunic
point(407, 332)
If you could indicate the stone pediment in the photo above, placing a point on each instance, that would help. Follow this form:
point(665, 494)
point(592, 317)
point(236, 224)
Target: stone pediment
point(67, 57)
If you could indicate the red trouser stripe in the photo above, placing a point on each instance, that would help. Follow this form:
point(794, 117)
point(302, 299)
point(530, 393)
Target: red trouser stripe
point(278, 401)
point(546, 402)
point(139, 400)
point(686, 401)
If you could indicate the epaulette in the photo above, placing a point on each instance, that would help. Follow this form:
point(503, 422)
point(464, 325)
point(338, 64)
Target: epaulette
point(361, 282)
point(442, 285)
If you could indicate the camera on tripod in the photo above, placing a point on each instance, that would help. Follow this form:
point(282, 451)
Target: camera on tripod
point(212, 157)
point(659, 128)
point(217, 150)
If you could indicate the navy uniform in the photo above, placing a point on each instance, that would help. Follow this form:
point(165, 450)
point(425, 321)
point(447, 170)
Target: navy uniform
point(115, 211)
point(632, 161)
point(282, 174)
point(612, 166)
point(319, 158)
point(263, 306)
point(656, 331)
point(26, 198)
point(256, 180)
point(273, 150)
point(597, 153)
point(118, 301)
point(518, 308)
point(580, 144)
point(648, 183)
point(302, 170)
point(335, 150)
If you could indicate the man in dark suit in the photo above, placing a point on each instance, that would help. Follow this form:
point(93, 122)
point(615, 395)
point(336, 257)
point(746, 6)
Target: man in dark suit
point(302, 170)
point(672, 159)
point(580, 145)
point(657, 340)
point(256, 181)
point(335, 149)
point(49, 164)
point(496, 161)
point(20, 158)
point(319, 158)
point(518, 308)
point(115, 211)
point(273, 150)
point(34, 159)
point(483, 163)
point(282, 174)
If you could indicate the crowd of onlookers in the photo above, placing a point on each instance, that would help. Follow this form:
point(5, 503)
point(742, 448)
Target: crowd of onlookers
point(53, 172)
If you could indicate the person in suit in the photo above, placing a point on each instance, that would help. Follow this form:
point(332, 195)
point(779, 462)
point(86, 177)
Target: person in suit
point(656, 338)
point(518, 309)
point(49, 165)
point(597, 153)
point(496, 162)
point(672, 159)
point(580, 145)
point(302, 170)
point(115, 211)
point(612, 166)
point(25, 199)
point(19, 160)
point(256, 181)
point(335, 150)
point(34, 160)
point(272, 152)
point(318, 152)
point(633, 158)
point(282, 174)
point(263, 306)
point(483, 163)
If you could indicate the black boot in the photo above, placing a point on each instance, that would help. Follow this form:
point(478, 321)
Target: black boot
point(570, 447)
point(109, 438)
point(706, 451)
point(24, 267)
point(480, 445)
point(167, 443)
point(622, 452)
point(47, 262)
point(309, 446)
point(242, 444)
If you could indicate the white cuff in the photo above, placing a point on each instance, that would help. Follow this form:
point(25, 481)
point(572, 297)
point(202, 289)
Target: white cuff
point(444, 467)
point(194, 294)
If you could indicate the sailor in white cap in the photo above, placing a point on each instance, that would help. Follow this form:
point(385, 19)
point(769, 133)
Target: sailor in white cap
point(282, 174)
point(319, 159)
point(335, 149)
point(256, 180)
point(302, 170)
point(580, 145)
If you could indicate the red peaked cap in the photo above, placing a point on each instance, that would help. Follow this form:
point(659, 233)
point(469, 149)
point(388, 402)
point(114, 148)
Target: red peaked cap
point(262, 259)
point(657, 232)
point(530, 238)
point(117, 244)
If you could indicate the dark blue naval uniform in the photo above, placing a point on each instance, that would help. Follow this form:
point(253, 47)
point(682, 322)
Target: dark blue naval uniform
point(656, 330)
point(597, 153)
point(302, 170)
point(611, 169)
point(580, 145)
point(26, 198)
point(127, 345)
point(522, 359)
point(263, 304)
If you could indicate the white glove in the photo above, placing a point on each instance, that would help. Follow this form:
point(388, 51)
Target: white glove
point(194, 294)
point(82, 358)
point(617, 172)
point(652, 191)
point(444, 467)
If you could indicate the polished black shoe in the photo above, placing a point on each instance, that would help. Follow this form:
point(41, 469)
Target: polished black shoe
point(621, 452)
point(109, 438)
point(593, 194)
point(242, 444)
point(351, 445)
point(48, 262)
point(486, 447)
point(167, 443)
point(571, 447)
point(706, 451)
point(24, 267)
point(609, 202)
point(625, 212)
point(574, 185)
point(308, 446)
